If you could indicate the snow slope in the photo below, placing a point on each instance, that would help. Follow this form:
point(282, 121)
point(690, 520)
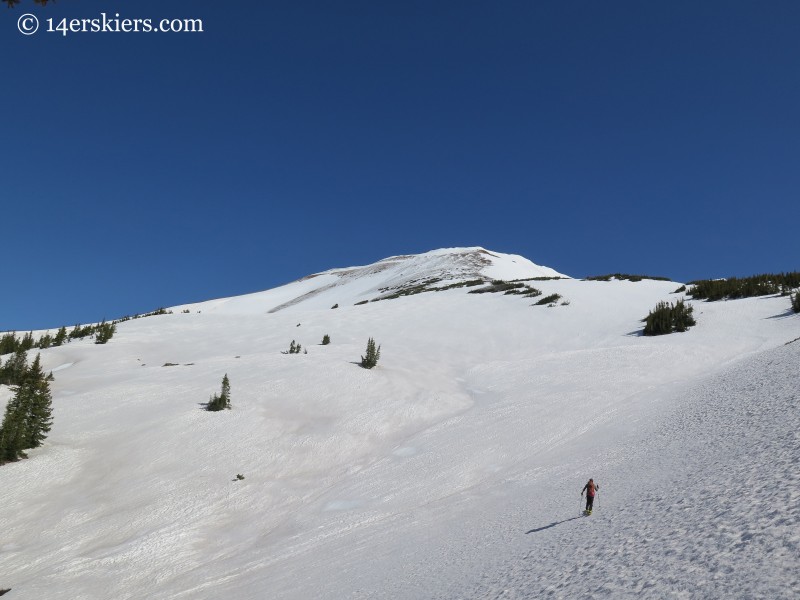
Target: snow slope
point(452, 470)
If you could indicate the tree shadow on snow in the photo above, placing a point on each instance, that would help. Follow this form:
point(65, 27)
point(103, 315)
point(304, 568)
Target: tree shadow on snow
point(538, 529)
point(784, 315)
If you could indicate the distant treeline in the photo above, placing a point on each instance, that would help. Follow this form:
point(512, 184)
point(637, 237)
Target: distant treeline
point(625, 276)
point(102, 332)
point(745, 287)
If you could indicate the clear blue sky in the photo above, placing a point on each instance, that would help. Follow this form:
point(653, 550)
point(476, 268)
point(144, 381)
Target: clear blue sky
point(151, 169)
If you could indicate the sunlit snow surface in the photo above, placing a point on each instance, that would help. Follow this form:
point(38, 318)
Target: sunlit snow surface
point(452, 470)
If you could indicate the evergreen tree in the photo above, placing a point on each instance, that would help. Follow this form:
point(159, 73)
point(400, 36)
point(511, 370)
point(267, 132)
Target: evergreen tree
point(60, 337)
point(28, 415)
point(27, 341)
point(682, 317)
point(225, 395)
point(45, 341)
point(13, 372)
point(796, 302)
point(12, 431)
point(372, 356)
point(38, 403)
point(668, 318)
point(104, 332)
point(8, 343)
point(214, 403)
point(222, 400)
point(294, 348)
point(326, 339)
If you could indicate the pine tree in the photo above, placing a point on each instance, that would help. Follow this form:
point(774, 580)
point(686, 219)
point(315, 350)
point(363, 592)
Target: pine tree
point(12, 431)
point(36, 391)
point(372, 356)
point(104, 332)
point(682, 317)
point(213, 403)
point(796, 302)
point(326, 339)
point(668, 318)
point(13, 372)
point(60, 337)
point(225, 396)
point(294, 348)
point(222, 400)
point(8, 343)
point(28, 415)
point(27, 341)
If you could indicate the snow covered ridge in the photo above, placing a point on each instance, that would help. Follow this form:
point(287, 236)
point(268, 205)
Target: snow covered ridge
point(453, 264)
point(395, 275)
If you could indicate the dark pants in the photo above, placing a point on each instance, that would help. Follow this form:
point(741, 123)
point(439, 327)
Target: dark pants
point(589, 502)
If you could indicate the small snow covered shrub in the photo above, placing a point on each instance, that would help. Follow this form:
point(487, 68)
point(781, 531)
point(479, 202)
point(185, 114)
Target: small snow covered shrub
point(796, 302)
point(668, 318)
point(372, 356)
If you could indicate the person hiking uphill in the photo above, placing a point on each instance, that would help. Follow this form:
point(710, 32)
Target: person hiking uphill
point(590, 488)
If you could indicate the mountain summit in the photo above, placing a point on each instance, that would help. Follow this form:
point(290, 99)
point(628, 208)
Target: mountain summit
point(390, 277)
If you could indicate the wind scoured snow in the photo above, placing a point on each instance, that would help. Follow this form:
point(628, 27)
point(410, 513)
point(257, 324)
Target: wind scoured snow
point(452, 470)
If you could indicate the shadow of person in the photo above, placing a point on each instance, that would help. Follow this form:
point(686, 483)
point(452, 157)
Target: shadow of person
point(538, 529)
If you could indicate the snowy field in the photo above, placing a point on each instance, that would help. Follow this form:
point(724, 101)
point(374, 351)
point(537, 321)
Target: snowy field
point(452, 470)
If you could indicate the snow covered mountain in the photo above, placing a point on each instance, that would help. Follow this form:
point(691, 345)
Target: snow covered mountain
point(452, 470)
point(388, 277)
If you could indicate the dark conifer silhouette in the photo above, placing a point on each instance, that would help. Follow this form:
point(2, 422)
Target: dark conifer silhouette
point(28, 415)
point(372, 356)
point(222, 400)
point(668, 318)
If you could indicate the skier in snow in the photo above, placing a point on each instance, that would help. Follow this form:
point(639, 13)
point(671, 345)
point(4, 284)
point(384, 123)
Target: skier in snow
point(590, 488)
